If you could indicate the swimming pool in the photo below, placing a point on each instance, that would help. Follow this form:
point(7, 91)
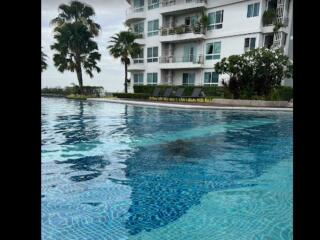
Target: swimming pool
point(115, 171)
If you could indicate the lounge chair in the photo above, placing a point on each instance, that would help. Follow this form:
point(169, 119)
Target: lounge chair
point(167, 93)
point(179, 93)
point(156, 93)
point(196, 94)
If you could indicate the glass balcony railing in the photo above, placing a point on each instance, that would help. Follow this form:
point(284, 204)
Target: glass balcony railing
point(134, 10)
point(166, 3)
point(164, 31)
point(195, 59)
point(139, 35)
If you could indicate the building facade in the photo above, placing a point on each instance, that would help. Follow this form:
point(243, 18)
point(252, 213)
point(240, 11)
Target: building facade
point(178, 48)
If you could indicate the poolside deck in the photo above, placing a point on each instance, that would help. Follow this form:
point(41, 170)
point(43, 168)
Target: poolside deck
point(188, 105)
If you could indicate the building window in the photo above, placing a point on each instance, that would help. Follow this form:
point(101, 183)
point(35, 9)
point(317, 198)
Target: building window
point(213, 50)
point(138, 28)
point(152, 78)
point(153, 27)
point(152, 54)
point(188, 79)
point(138, 78)
point(268, 41)
point(211, 78)
point(139, 57)
point(190, 53)
point(153, 4)
point(253, 10)
point(249, 44)
point(138, 5)
point(191, 21)
point(215, 20)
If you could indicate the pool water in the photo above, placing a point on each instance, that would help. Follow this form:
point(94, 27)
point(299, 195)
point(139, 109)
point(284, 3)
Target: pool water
point(116, 171)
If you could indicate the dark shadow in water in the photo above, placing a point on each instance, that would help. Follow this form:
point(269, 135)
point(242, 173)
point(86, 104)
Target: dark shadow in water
point(93, 164)
point(167, 179)
point(77, 128)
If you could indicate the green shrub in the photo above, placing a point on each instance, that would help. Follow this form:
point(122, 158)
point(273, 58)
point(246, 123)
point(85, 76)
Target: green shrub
point(255, 72)
point(282, 93)
point(77, 96)
point(210, 91)
point(132, 95)
point(57, 91)
point(73, 90)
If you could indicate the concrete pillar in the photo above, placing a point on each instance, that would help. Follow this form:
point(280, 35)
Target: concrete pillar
point(170, 52)
point(171, 21)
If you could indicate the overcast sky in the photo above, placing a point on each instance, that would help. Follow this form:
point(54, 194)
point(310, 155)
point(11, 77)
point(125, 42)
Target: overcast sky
point(110, 14)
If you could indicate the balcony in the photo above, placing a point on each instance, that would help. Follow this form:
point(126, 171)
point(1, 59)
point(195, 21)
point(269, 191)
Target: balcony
point(135, 14)
point(140, 38)
point(137, 64)
point(181, 34)
point(185, 62)
point(179, 6)
point(275, 16)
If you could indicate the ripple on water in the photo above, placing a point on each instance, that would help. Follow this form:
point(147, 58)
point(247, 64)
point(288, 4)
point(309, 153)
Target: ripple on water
point(111, 171)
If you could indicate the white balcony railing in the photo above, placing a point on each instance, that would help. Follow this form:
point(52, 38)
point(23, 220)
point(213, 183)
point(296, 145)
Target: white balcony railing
point(164, 31)
point(199, 59)
point(138, 12)
point(135, 10)
point(137, 60)
point(139, 35)
point(166, 3)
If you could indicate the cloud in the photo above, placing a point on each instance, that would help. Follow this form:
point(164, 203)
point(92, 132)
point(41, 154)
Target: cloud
point(110, 14)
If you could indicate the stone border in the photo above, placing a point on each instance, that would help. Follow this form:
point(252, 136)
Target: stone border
point(251, 103)
point(187, 106)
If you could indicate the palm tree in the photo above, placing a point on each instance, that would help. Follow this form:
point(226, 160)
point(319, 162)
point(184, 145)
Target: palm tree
point(74, 32)
point(124, 47)
point(43, 61)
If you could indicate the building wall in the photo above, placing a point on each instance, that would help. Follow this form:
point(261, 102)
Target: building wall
point(236, 27)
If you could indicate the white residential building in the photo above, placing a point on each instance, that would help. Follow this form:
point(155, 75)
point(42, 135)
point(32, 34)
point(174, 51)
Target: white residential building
point(177, 50)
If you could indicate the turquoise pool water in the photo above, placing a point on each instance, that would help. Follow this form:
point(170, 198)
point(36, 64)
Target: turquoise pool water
point(115, 171)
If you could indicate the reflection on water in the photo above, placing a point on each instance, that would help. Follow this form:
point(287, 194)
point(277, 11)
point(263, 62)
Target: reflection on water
point(119, 170)
point(167, 179)
point(94, 165)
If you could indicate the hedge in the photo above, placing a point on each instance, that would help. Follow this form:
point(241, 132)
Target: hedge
point(132, 95)
point(209, 91)
point(87, 90)
point(77, 96)
point(282, 93)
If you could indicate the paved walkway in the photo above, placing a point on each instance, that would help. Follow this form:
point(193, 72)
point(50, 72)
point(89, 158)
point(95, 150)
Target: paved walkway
point(185, 105)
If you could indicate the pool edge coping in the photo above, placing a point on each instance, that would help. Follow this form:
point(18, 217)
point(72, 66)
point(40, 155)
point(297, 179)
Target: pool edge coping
point(202, 107)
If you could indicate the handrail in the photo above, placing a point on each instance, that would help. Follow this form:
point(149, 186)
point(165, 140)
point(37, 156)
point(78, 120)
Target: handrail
point(139, 35)
point(164, 31)
point(199, 59)
point(132, 10)
point(166, 3)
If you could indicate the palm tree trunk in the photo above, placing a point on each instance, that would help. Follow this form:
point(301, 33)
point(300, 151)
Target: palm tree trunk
point(79, 75)
point(125, 78)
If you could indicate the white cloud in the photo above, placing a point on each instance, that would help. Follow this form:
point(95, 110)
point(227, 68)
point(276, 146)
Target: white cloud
point(110, 14)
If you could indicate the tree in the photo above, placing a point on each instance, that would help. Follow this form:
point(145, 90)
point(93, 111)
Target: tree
point(256, 72)
point(74, 32)
point(43, 61)
point(124, 47)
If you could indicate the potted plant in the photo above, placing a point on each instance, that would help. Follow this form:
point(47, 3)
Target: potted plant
point(277, 26)
point(180, 29)
point(269, 17)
